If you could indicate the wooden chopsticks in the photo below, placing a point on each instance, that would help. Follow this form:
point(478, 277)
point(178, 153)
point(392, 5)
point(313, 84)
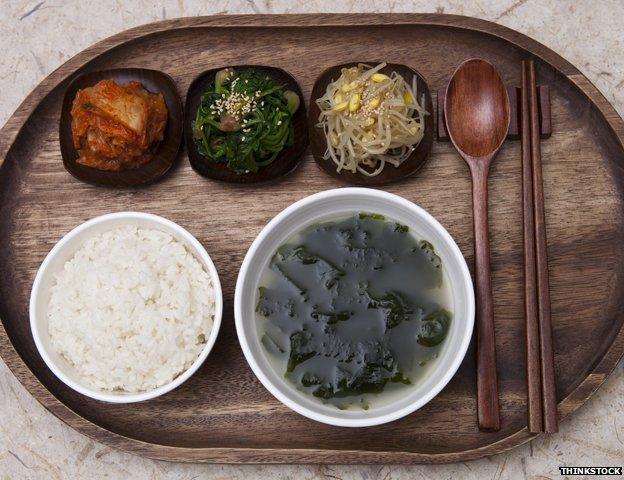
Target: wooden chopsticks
point(534, 383)
point(542, 401)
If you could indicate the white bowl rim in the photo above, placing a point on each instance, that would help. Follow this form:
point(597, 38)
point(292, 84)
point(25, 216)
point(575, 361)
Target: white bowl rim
point(180, 379)
point(371, 420)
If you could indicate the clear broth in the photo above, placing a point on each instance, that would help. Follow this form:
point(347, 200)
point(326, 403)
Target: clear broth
point(353, 311)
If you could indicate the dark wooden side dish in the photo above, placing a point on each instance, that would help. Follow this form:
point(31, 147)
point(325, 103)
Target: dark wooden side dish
point(389, 174)
point(286, 161)
point(166, 152)
point(223, 414)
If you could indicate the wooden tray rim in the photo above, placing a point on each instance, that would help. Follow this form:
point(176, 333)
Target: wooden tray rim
point(13, 126)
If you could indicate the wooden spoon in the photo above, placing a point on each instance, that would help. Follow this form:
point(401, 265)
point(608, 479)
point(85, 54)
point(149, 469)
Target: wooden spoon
point(477, 119)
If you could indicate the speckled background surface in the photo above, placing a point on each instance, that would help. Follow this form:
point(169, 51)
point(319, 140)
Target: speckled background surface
point(38, 36)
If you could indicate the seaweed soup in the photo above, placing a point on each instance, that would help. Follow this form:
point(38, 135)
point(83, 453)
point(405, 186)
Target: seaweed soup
point(352, 308)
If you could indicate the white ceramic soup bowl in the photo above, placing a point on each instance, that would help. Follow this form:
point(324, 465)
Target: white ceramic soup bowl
point(63, 251)
point(326, 206)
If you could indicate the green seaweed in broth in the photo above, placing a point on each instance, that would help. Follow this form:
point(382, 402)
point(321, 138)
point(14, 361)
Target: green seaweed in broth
point(350, 308)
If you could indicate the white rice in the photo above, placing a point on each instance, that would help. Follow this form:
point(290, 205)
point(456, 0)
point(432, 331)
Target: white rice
point(131, 310)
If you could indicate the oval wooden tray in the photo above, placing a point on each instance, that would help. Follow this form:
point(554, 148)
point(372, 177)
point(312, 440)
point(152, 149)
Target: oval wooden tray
point(223, 414)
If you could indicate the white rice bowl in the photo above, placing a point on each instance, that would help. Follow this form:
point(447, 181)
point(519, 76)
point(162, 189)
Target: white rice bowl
point(131, 310)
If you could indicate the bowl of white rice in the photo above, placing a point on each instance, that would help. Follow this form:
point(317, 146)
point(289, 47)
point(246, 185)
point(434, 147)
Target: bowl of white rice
point(126, 307)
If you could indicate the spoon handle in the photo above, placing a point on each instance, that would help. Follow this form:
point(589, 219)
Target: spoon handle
point(487, 388)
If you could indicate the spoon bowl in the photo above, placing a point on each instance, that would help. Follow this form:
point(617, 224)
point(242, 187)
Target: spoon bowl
point(477, 120)
point(477, 109)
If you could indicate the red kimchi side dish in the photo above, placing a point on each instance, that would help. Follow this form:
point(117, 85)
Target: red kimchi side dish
point(117, 127)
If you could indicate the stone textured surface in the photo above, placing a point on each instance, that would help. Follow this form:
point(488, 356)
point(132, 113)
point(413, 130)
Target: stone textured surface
point(37, 36)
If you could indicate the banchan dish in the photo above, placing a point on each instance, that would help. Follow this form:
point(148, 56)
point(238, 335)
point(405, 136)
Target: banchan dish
point(165, 152)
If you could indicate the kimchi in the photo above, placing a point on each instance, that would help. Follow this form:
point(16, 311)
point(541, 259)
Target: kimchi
point(117, 127)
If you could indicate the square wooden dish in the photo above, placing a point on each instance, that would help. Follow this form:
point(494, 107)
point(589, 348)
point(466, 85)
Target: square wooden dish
point(165, 152)
point(285, 162)
point(389, 174)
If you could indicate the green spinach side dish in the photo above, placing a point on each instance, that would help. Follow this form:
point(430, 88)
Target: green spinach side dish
point(244, 120)
point(352, 308)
